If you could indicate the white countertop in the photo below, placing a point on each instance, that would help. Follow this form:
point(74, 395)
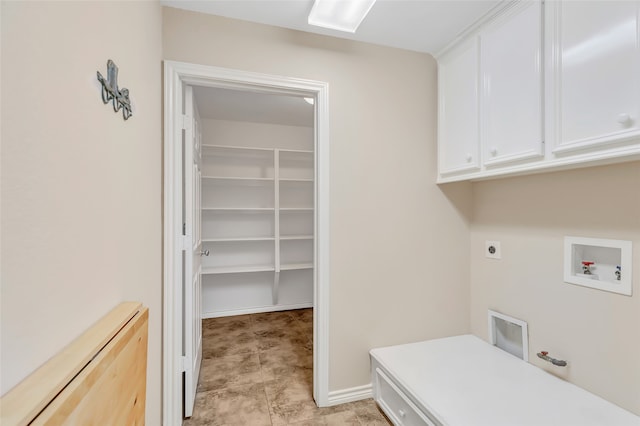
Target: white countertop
point(464, 381)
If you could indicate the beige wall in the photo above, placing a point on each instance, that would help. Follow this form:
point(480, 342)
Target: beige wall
point(399, 244)
point(81, 188)
point(596, 331)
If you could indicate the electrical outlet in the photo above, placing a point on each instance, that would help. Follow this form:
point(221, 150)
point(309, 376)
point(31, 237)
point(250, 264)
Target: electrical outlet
point(492, 249)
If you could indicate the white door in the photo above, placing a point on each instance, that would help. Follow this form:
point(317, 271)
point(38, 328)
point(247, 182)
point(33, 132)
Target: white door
point(192, 318)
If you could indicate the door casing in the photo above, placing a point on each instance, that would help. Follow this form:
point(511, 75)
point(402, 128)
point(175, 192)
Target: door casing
point(176, 75)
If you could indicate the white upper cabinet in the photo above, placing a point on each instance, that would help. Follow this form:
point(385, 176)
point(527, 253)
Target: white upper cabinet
point(596, 66)
point(458, 128)
point(512, 92)
point(541, 85)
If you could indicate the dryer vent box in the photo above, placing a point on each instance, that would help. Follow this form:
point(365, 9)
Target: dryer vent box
point(509, 334)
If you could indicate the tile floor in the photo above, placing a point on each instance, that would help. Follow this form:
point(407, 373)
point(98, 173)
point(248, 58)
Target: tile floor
point(257, 370)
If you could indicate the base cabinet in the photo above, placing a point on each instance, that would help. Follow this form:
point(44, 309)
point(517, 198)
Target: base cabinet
point(463, 381)
point(395, 404)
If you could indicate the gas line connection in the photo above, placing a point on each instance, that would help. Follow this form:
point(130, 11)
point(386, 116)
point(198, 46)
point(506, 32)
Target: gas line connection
point(545, 355)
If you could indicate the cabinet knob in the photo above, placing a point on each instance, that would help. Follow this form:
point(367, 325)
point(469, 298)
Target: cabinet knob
point(493, 151)
point(624, 119)
point(401, 413)
point(468, 157)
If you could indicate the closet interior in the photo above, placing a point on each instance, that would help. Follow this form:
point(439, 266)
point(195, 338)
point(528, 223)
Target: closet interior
point(257, 201)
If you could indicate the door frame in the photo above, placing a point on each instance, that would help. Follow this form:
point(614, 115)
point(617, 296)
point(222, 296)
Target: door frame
point(176, 74)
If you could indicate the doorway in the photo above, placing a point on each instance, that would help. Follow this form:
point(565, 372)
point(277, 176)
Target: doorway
point(178, 76)
point(257, 200)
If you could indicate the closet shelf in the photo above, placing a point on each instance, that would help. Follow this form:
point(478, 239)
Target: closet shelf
point(296, 237)
point(295, 180)
point(252, 148)
point(239, 148)
point(254, 268)
point(239, 209)
point(296, 266)
point(296, 209)
point(247, 239)
point(299, 151)
point(237, 178)
point(237, 269)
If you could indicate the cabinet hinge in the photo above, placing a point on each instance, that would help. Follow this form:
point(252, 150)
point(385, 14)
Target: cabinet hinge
point(185, 242)
point(186, 122)
point(184, 364)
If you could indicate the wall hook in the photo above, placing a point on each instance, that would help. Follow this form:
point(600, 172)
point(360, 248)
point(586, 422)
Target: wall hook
point(110, 92)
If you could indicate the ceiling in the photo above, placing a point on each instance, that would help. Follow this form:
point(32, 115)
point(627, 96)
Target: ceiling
point(419, 25)
point(236, 105)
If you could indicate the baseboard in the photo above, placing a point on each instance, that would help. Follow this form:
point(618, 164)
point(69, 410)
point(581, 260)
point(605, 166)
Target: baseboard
point(343, 396)
point(257, 310)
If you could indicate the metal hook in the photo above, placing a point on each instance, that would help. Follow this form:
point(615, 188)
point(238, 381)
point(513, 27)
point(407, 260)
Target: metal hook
point(110, 92)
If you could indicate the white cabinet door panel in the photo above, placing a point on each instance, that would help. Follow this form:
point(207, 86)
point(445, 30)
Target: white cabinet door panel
point(511, 64)
point(458, 132)
point(597, 72)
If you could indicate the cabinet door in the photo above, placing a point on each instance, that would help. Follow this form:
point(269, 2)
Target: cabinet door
point(512, 93)
point(597, 73)
point(458, 141)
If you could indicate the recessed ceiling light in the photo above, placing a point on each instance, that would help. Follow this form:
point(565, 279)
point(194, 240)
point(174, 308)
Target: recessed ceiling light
point(341, 15)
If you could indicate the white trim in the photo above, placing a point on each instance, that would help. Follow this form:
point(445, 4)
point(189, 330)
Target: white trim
point(321, 250)
point(257, 310)
point(175, 75)
point(607, 139)
point(357, 393)
point(513, 158)
point(474, 29)
point(631, 153)
point(171, 330)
